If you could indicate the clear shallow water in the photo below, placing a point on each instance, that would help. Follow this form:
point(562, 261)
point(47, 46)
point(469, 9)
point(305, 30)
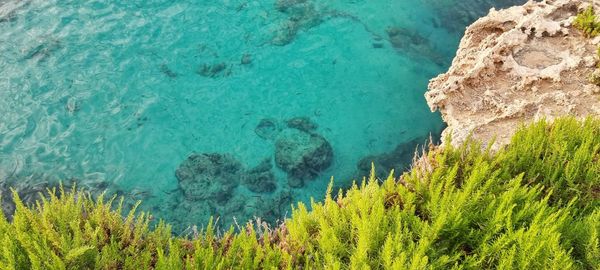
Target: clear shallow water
point(115, 95)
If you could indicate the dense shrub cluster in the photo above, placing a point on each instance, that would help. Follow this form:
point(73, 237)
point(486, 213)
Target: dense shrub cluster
point(532, 205)
point(587, 23)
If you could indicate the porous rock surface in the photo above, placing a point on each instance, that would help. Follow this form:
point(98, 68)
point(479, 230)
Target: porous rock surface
point(515, 66)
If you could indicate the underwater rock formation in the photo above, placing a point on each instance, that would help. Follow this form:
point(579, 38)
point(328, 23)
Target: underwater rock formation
point(211, 176)
point(43, 50)
point(246, 59)
point(302, 123)
point(29, 192)
point(402, 37)
point(29, 188)
point(211, 181)
point(275, 208)
point(261, 178)
point(413, 43)
point(302, 155)
point(220, 69)
point(458, 14)
point(517, 65)
point(164, 68)
point(302, 14)
point(286, 5)
point(267, 129)
point(398, 160)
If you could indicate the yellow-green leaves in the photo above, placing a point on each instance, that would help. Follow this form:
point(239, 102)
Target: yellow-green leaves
point(532, 205)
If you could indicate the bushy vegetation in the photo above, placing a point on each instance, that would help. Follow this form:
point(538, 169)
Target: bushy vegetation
point(587, 23)
point(532, 205)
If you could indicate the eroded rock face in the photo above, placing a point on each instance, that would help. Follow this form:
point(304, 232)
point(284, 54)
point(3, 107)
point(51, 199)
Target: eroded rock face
point(209, 176)
point(302, 155)
point(517, 65)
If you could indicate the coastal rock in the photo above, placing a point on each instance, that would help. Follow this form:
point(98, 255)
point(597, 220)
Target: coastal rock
point(302, 155)
point(517, 65)
point(211, 176)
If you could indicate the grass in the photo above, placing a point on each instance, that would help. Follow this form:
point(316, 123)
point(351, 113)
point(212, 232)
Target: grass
point(534, 204)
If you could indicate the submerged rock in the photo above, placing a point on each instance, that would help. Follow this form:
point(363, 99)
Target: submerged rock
point(30, 188)
point(414, 43)
point(456, 15)
point(398, 160)
point(302, 155)
point(267, 129)
point(42, 51)
point(246, 59)
point(286, 5)
point(275, 208)
point(211, 176)
point(29, 194)
point(302, 123)
point(214, 70)
point(302, 15)
point(261, 178)
point(164, 68)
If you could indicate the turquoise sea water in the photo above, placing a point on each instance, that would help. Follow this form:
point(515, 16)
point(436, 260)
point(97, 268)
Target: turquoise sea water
point(116, 95)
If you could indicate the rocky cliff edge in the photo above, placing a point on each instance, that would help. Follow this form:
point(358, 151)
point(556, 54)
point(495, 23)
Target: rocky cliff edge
point(515, 66)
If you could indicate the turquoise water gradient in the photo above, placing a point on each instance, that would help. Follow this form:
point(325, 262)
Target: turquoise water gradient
point(113, 93)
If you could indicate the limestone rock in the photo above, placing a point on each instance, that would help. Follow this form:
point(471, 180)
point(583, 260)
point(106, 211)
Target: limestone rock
point(517, 65)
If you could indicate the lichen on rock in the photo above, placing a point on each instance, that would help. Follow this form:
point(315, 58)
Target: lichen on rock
point(517, 65)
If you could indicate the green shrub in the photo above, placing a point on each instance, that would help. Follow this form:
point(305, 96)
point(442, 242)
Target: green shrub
point(532, 205)
point(586, 22)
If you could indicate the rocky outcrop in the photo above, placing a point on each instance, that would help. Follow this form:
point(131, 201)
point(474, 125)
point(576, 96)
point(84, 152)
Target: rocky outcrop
point(517, 65)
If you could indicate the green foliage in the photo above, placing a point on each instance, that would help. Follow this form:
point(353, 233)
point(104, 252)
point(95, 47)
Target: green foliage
point(586, 22)
point(531, 205)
